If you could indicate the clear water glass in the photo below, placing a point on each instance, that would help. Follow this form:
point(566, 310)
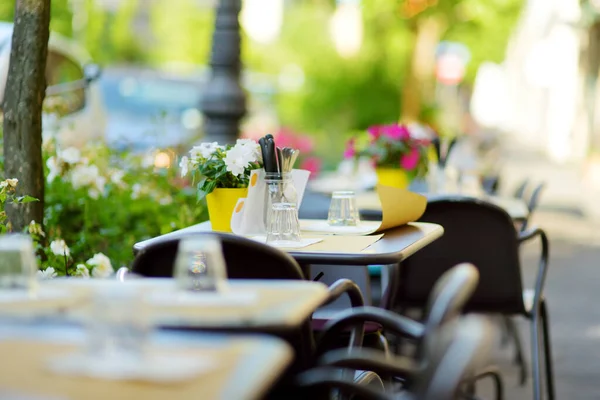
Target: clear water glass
point(118, 326)
point(199, 265)
point(18, 265)
point(343, 210)
point(284, 227)
point(279, 189)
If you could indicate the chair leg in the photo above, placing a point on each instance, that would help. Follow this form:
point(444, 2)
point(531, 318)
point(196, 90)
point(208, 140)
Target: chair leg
point(547, 351)
point(519, 356)
point(535, 356)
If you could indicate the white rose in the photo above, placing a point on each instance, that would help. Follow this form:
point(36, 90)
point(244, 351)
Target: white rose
point(48, 273)
point(102, 266)
point(59, 247)
point(184, 164)
point(236, 160)
point(251, 147)
point(35, 229)
point(136, 190)
point(53, 167)
point(9, 183)
point(84, 175)
point(117, 177)
point(70, 155)
point(205, 150)
point(82, 271)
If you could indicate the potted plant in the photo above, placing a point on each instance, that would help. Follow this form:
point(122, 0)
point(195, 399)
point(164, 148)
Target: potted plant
point(399, 156)
point(222, 175)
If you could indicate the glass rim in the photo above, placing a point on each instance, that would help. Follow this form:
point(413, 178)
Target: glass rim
point(343, 193)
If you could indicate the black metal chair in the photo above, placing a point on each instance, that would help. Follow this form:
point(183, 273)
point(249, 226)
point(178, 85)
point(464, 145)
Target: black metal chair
point(455, 353)
point(483, 234)
point(519, 192)
point(245, 259)
point(532, 203)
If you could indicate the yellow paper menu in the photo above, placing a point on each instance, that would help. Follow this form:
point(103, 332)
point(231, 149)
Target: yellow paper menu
point(398, 207)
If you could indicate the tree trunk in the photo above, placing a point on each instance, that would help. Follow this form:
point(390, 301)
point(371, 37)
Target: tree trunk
point(418, 85)
point(23, 98)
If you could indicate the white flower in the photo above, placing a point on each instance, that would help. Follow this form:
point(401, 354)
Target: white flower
point(94, 193)
point(148, 160)
point(205, 150)
point(84, 175)
point(82, 271)
point(136, 190)
point(184, 164)
point(102, 266)
point(166, 200)
point(251, 147)
point(100, 182)
point(117, 177)
point(236, 160)
point(48, 273)
point(59, 247)
point(9, 183)
point(53, 167)
point(35, 229)
point(70, 155)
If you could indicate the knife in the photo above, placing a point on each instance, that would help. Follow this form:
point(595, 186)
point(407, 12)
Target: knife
point(265, 154)
point(271, 150)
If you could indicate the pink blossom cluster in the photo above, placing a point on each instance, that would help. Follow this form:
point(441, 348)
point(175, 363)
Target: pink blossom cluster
point(383, 135)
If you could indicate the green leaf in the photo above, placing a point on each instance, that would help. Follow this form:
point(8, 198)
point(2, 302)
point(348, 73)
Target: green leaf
point(26, 199)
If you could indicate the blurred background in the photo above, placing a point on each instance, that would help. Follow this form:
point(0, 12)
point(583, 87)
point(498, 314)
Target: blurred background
point(515, 76)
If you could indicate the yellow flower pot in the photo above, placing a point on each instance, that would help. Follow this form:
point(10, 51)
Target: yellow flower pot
point(221, 203)
point(393, 177)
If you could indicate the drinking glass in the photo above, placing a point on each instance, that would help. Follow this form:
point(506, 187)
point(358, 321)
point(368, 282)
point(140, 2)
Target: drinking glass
point(199, 265)
point(283, 228)
point(279, 189)
point(343, 210)
point(18, 264)
point(118, 327)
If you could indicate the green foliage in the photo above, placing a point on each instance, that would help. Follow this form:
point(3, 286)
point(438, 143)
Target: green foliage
point(103, 201)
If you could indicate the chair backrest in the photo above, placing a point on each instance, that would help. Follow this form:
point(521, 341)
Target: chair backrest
point(532, 204)
point(520, 190)
point(475, 232)
point(457, 351)
point(245, 259)
point(449, 295)
point(534, 199)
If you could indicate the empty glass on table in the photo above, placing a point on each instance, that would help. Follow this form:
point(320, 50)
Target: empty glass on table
point(18, 264)
point(199, 265)
point(283, 228)
point(343, 210)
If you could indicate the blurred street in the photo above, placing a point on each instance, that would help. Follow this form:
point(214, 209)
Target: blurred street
point(572, 284)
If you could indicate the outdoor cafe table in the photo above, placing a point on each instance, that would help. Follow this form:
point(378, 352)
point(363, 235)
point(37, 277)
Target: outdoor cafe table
point(257, 305)
point(396, 245)
point(245, 367)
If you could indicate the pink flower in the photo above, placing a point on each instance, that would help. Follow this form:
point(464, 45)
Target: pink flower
point(350, 150)
point(396, 132)
point(375, 131)
point(285, 138)
point(410, 161)
point(312, 164)
point(304, 144)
